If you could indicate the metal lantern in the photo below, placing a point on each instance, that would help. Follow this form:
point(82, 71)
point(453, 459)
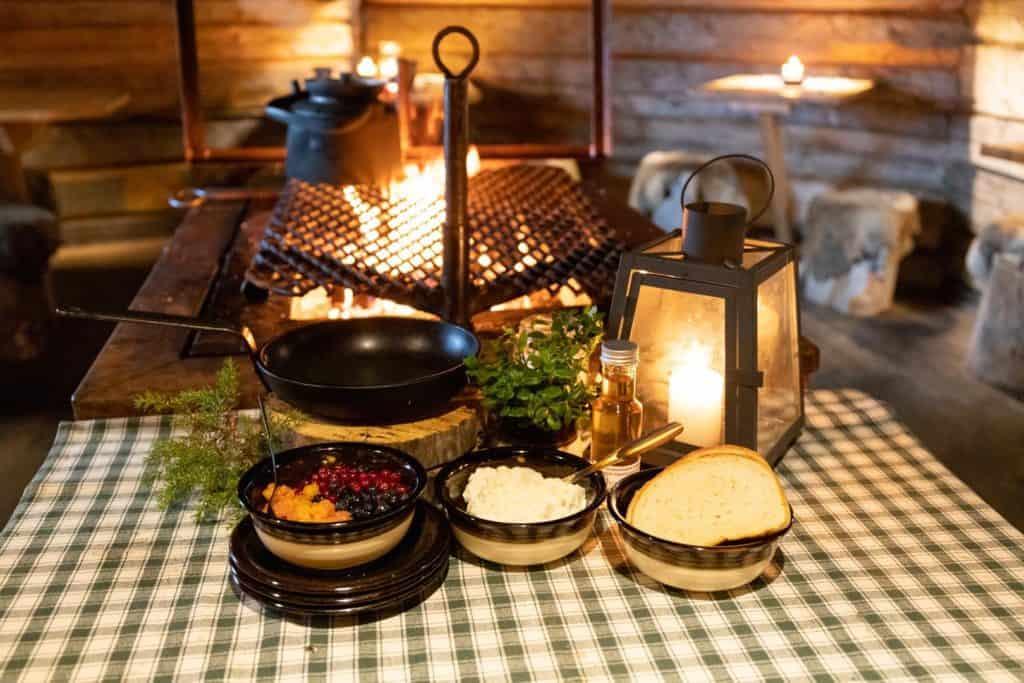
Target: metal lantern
point(717, 320)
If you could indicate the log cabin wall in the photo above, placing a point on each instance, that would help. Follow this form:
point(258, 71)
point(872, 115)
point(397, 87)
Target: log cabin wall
point(945, 66)
point(984, 182)
point(110, 179)
point(536, 77)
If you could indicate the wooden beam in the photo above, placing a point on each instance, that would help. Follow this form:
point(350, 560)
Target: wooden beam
point(927, 7)
point(52, 14)
point(115, 48)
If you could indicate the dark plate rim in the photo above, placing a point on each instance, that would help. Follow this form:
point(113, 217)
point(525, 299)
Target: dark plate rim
point(301, 599)
point(354, 596)
point(728, 546)
point(429, 586)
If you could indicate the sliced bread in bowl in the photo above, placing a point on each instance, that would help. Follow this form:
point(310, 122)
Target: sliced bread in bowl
point(710, 496)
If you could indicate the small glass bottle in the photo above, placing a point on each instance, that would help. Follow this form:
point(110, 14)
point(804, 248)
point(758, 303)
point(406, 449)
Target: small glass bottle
point(617, 415)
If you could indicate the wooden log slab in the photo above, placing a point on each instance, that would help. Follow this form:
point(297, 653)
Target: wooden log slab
point(433, 441)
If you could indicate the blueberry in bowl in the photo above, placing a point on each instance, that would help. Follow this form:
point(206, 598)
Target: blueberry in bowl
point(336, 505)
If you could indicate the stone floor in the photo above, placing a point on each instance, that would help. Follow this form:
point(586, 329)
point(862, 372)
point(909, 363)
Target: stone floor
point(911, 357)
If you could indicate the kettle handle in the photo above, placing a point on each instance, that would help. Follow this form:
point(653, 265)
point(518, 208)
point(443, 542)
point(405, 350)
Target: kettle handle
point(745, 157)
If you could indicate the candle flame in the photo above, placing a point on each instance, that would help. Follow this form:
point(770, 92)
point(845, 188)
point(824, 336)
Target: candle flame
point(697, 356)
point(793, 70)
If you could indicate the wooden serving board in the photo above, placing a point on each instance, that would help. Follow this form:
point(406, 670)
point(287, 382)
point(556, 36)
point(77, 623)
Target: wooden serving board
point(432, 441)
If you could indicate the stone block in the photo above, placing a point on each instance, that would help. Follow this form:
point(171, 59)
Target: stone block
point(996, 351)
point(854, 242)
point(1004, 236)
point(28, 236)
point(660, 177)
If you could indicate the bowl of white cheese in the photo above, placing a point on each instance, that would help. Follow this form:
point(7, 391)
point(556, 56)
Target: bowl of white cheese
point(510, 506)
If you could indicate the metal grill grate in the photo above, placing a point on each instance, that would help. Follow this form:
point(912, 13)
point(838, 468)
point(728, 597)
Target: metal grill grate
point(531, 228)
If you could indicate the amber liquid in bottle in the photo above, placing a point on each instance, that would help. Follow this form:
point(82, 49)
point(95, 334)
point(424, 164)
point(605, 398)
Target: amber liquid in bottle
point(617, 415)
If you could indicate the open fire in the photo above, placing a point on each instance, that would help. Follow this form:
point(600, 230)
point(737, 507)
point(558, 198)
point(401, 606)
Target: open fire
point(359, 251)
point(422, 192)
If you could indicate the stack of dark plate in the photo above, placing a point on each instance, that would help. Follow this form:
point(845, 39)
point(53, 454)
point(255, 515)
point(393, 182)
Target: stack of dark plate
point(404, 577)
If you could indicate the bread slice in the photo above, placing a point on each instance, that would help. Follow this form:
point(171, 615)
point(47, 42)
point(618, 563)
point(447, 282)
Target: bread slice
point(712, 495)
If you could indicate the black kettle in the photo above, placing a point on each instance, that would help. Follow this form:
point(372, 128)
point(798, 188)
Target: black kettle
point(339, 132)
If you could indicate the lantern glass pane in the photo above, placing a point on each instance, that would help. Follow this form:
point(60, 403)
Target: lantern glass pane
point(681, 338)
point(673, 244)
point(778, 357)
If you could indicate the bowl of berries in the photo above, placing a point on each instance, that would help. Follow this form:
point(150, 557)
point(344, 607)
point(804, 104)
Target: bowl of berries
point(334, 505)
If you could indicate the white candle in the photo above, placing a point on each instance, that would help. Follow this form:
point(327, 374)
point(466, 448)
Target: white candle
point(793, 71)
point(695, 393)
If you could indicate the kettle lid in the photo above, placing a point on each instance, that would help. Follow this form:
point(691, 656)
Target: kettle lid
point(343, 97)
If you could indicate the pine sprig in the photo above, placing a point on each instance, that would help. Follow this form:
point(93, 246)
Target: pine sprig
point(205, 464)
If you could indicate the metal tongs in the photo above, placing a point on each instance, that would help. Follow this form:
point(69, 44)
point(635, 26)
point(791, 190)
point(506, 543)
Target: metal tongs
point(455, 278)
point(647, 442)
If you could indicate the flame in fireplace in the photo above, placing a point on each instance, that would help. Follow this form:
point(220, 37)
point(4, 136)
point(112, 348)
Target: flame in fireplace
point(399, 236)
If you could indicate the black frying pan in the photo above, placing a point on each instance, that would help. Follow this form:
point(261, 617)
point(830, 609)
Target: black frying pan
point(361, 370)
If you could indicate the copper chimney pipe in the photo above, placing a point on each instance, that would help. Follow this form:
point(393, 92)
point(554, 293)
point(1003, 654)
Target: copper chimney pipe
point(455, 273)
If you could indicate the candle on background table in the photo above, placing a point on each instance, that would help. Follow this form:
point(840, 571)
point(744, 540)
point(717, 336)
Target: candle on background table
point(696, 395)
point(793, 71)
point(367, 67)
point(388, 52)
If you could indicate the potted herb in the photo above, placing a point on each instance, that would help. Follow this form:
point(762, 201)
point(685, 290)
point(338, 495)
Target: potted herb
point(534, 380)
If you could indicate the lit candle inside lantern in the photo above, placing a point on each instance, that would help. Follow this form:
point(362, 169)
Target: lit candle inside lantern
point(695, 398)
point(793, 71)
point(367, 68)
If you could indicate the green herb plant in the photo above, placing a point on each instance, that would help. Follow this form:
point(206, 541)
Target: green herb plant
point(217, 448)
point(533, 378)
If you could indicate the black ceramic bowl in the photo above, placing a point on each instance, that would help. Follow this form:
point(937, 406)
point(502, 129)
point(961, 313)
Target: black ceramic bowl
point(331, 545)
point(691, 567)
point(518, 543)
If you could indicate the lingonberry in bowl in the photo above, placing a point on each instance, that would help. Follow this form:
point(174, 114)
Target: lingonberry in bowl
point(336, 505)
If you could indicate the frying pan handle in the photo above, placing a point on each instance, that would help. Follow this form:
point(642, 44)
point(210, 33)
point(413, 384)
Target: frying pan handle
point(164, 319)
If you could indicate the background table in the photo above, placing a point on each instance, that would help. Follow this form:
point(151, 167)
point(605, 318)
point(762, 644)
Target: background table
point(771, 99)
point(894, 569)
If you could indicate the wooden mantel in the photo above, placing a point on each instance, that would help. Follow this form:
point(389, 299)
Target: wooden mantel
point(137, 358)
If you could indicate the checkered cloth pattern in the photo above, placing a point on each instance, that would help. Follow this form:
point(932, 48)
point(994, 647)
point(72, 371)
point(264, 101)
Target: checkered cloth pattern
point(894, 569)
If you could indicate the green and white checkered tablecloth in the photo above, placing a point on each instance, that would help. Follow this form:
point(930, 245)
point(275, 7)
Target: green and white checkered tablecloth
point(894, 569)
